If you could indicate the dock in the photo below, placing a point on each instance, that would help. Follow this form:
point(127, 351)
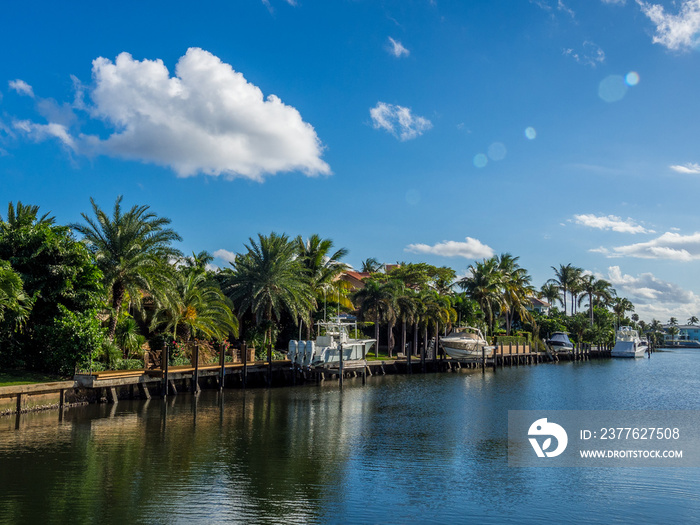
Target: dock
point(112, 385)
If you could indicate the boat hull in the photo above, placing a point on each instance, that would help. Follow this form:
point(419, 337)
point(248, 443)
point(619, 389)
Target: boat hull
point(628, 349)
point(456, 352)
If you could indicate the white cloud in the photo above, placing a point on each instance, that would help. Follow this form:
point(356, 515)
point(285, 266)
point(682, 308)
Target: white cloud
point(676, 32)
point(672, 246)
point(225, 255)
point(396, 48)
point(653, 297)
point(206, 119)
point(398, 121)
point(21, 87)
point(590, 55)
point(43, 131)
point(689, 168)
point(471, 249)
point(618, 2)
point(565, 9)
point(610, 222)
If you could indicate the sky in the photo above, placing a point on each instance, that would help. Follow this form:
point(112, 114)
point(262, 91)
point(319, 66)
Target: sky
point(560, 131)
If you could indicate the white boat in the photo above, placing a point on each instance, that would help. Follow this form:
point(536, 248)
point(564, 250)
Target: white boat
point(326, 350)
point(628, 343)
point(464, 341)
point(559, 342)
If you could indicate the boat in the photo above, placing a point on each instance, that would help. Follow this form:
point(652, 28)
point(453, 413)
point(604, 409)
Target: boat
point(465, 341)
point(325, 351)
point(628, 343)
point(559, 342)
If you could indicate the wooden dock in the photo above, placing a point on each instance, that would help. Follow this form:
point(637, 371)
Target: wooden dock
point(110, 386)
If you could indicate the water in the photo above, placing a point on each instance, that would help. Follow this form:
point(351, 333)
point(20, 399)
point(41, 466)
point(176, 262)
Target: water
point(425, 448)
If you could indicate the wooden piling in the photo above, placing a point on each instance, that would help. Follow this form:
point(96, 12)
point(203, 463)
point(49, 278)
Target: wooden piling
point(222, 363)
point(244, 351)
point(195, 377)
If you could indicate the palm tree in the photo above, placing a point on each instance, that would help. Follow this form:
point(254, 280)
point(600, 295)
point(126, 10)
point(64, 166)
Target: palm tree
point(550, 291)
point(131, 248)
point(565, 277)
point(483, 285)
point(266, 282)
point(622, 305)
point(407, 311)
point(13, 299)
point(198, 308)
point(516, 289)
point(437, 311)
point(24, 215)
point(693, 320)
point(323, 269)
point(376, 301)
point(371, 265)
point(595, 289)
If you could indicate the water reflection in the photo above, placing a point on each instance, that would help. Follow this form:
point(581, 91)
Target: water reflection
point(429, 448)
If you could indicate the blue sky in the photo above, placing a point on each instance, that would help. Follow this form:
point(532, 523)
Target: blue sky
point(560, 131)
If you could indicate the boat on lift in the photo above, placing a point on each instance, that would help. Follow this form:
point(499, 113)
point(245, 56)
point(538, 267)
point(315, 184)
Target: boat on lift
point(464, 342)
point(325, 352)
point(560, 342)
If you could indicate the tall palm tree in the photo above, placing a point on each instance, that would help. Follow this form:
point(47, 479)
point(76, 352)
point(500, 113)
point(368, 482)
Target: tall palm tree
point(621, 306)
point(595, 289)
point(483, 284)
point(692, 320)
point(376, 302)
point(266, 282)
point(198, 308)
point(437, 312)
point(323, 269)
point(516, 288)
point(407, 311)
point(565, 276)
point(550, 291)
point(131, 248)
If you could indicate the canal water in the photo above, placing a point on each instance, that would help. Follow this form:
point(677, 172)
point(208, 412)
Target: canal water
point(401, 449)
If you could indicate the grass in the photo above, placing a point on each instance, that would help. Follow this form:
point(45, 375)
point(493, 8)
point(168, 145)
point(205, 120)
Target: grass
point(24, 377)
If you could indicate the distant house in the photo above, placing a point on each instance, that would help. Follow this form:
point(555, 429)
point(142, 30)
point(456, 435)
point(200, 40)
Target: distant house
point(686, 332)
point(539, 306)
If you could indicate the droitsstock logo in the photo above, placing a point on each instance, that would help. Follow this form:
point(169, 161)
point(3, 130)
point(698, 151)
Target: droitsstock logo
point(542, 428)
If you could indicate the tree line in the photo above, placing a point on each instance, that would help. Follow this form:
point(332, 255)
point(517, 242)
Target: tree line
point(97, 292)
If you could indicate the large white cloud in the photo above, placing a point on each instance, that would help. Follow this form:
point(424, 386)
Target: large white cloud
point(676, 32)
point(399, 121)
point(670, 245)
point(610, 222)
point(471, 249)
point(653, 297)
point(206, 119)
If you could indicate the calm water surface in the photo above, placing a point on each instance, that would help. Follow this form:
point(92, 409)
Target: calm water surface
point(425, 448)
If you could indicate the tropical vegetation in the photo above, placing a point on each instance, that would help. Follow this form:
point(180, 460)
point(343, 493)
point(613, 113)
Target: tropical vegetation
point(101, 292)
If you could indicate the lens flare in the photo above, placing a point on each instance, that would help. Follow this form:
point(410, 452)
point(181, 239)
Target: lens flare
point(530, 133)
point(632, 78)
point(497, 151)
point(612, 88)
point(480, 160)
